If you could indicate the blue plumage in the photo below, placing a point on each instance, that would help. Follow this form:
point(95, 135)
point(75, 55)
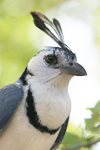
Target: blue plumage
point(10, 96)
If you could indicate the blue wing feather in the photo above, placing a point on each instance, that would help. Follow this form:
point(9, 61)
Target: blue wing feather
point(10, 96)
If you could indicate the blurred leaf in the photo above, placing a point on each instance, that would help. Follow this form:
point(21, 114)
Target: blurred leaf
point(93, 123)
point(96, 109)
point(71, 139)
point(89, 138)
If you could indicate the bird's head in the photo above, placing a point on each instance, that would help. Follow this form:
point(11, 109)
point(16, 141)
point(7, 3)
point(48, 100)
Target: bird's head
point(56, 64)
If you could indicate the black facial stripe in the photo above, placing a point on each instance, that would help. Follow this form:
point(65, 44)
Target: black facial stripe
point(23, 76)
point(33, 116)
point(31, 74)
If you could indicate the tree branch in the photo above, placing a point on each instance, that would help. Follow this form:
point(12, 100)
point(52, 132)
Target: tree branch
point(88, 144)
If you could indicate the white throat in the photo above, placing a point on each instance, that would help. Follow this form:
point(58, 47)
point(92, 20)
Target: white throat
point(52, 101)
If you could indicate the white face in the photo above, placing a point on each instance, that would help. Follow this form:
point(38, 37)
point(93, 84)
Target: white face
point(48, 74)
point(45, 65)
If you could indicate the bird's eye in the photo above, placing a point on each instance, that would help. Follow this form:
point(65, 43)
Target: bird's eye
point(51, 59)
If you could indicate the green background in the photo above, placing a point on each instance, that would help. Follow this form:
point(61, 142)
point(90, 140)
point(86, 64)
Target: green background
point(20, 40)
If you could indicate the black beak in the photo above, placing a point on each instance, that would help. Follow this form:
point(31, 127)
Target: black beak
point(74, 69)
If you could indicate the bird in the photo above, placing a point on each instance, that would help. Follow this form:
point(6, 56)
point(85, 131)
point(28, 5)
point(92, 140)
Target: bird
point(35, 109)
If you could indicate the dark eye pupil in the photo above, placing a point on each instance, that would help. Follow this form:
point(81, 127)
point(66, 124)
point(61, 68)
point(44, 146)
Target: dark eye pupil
point(51, 59)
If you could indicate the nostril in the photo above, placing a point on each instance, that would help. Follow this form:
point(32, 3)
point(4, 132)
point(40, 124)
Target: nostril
point(71, 64)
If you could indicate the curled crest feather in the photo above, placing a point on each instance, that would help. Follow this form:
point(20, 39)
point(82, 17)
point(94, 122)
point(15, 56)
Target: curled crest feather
point(40, 20)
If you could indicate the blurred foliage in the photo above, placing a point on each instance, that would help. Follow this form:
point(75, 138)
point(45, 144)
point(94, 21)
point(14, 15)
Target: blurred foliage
point(93, 124)
point(80, 137)
point(20, 41)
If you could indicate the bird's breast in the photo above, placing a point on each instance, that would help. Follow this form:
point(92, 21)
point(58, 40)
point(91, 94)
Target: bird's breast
point(19, 134)
point(52, 107)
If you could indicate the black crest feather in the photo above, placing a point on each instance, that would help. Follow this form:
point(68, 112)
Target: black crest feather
point(40, 20)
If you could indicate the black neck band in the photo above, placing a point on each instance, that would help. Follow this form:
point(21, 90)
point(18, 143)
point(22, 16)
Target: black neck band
point(33, 116)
